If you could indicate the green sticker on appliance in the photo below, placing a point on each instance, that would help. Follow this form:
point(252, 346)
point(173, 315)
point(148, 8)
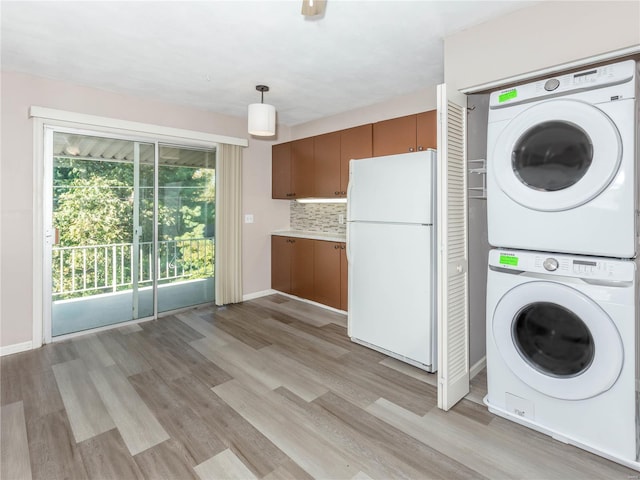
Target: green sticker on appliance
point(508, 95)
point(508, 260)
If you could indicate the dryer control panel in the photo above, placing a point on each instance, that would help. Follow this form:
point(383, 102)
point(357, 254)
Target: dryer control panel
point(617, 74)
point(595, 268)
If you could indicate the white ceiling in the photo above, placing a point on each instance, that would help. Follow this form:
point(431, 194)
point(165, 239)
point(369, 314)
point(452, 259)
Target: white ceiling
point(212, 54)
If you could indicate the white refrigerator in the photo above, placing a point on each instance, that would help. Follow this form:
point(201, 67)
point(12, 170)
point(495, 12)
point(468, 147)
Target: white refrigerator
point(391, 240)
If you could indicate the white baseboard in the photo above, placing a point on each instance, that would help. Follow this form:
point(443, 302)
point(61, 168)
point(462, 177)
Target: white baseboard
point(15, 348)
point(310, 302)
point(263, 293)
point(477, 367)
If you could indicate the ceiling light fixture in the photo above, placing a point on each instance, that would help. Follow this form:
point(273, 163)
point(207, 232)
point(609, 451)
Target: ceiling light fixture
point(311, 8)
point(262, 116)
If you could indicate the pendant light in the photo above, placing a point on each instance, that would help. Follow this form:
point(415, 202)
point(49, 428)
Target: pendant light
point(311, 8)
point(262, 116)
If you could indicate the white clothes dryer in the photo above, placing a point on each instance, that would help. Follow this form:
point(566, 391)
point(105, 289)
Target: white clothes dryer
point(562, 348)
point(561, 163)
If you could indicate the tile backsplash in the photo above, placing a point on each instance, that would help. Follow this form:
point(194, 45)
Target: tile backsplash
point(318, 217)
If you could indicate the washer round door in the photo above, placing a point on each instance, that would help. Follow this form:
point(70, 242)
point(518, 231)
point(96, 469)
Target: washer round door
point(557, 340)
point(557, 155)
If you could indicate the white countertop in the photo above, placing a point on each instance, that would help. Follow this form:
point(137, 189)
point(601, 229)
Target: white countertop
point(331, 237)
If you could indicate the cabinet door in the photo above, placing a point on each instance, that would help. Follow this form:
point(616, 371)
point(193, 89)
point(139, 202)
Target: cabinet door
point(397, 135)
point(426, 130)
point(281, 248)
point(344, 269)
point(355, 143)
point(326, 165)
point(302, 267)
point(281, 171)
point(326, 273)
point(302, 167)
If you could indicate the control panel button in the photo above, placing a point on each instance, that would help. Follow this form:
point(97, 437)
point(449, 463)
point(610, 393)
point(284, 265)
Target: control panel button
point(550, 264)
point(550, 85)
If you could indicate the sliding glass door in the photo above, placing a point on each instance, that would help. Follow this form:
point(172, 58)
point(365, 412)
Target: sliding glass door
point(106, 264)
point(186, 219)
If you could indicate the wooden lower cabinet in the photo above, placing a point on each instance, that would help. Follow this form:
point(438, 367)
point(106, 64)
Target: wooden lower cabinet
point(281, 263)
point(326, 273)
point(302, 267)
point(292, 265)
point(311, 269)
point(344, 280)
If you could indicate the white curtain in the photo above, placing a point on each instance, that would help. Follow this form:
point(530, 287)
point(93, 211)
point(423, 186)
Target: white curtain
point(228, 232)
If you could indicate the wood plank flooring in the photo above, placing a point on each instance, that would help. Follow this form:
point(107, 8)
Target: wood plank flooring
point(267, 389)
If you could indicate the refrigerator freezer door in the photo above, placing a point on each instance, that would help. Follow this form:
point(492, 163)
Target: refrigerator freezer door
point(395, 188)
point(391, 288)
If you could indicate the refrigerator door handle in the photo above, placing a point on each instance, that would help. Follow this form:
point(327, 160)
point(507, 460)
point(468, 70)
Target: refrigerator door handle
point(348, 246)
point(349, 190)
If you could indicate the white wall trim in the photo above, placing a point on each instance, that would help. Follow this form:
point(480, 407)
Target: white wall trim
point(39, 247)
point(15, 348)
point(311, 302)
point(603, 57)
point(477, 367)
point(64, 120)
point(113, 326)
point(138, 127)
point(262, 293)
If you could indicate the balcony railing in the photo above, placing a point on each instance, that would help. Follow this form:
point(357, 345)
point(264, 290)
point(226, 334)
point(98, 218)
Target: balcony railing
point(93, 269)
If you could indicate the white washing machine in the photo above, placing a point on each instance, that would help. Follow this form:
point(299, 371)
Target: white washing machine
point(561, 348)
point(561, 163)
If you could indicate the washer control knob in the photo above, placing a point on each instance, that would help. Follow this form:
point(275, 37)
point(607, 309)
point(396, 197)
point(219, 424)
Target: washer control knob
point(550, 264)
point(551, 84)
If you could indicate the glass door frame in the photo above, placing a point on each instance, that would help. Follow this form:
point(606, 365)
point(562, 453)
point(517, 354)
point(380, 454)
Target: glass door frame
point(47, 212)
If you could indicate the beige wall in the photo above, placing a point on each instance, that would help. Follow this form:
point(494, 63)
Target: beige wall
point(545, 35)
point(415, 102)
point(19, 92)
point(542, 36)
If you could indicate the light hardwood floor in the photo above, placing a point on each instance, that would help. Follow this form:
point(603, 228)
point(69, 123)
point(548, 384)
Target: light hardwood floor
point(270, 388)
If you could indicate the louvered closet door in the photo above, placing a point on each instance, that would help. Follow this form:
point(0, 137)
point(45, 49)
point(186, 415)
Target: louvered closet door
point(453, 309)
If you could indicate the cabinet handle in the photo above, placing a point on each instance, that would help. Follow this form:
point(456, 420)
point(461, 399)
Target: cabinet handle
point(336, 193)
point(411, 149)
point(420, 148)
point(342, 247)
point(343, 193)
point(336, 246)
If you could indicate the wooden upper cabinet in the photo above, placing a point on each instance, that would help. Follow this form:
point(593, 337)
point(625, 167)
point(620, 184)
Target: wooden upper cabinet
point(426, 130)
point(326, 273)
point(302, 167)
point(281, 171)
point(355, 143)
point(326, 165)
point(413, 133)
point(319, 166)
point(397, 135)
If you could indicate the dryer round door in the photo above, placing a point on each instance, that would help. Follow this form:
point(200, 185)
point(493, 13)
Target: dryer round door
point(557, 340)
point(557, 155)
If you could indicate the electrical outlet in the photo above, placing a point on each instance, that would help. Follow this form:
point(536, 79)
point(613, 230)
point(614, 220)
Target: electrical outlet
point(248, 218)
point(341, 219)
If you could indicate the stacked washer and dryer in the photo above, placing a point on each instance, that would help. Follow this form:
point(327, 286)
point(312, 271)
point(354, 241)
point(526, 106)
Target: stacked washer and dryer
point(562, 290)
